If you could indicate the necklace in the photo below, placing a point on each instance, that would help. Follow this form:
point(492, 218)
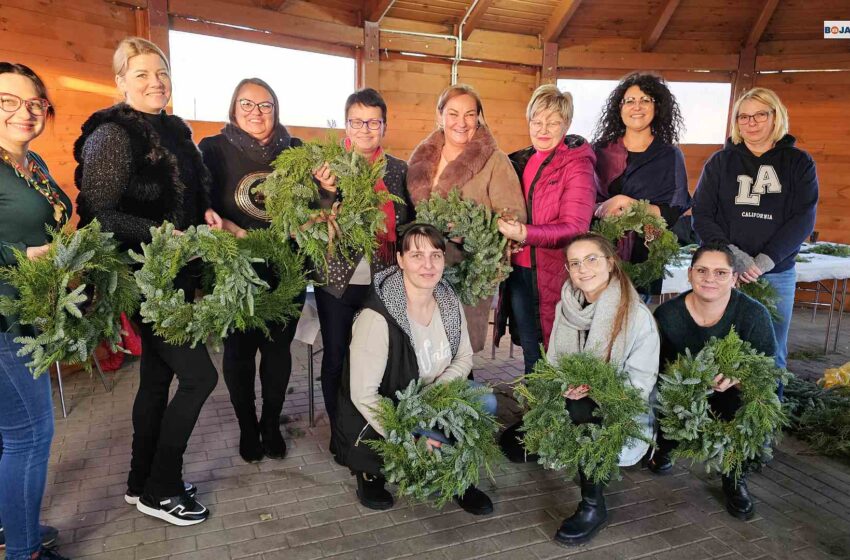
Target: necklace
point(39, 181)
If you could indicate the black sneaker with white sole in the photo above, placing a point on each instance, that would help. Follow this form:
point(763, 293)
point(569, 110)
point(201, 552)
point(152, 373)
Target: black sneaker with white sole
point(132, 498)
point(179, 510)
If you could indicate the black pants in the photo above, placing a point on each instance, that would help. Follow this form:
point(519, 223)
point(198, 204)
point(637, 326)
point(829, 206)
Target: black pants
point(724, 404)
point(161, 429)
point(525, 314)
point(239, 370)
point(336, 315)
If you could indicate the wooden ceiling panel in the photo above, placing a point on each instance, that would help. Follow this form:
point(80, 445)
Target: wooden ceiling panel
point(611, 18)
point(437, 11)
point(526, 17)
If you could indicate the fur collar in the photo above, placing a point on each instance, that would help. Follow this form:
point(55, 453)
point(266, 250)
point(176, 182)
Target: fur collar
point(426, 158)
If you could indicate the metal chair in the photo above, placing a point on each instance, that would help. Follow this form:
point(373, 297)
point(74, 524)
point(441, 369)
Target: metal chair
point(107, 387)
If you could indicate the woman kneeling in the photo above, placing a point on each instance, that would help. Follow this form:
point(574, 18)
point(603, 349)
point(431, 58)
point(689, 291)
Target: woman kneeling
point(412, 326)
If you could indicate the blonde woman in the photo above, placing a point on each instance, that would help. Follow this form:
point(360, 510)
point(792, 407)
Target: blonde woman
point(462, 154)
point(758, 196)
point(138, 167)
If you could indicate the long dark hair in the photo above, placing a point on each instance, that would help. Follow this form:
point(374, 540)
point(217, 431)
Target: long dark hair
point(256, 82)
point(667, 123)
point(617, 273)
point(27, 72)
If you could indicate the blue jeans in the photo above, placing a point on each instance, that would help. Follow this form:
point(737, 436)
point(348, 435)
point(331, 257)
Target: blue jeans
point(26, 430)
point(520, 284)
point(785, 284)
point(488, 400)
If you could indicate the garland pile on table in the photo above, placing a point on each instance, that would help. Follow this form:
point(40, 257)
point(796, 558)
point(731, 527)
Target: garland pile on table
point(662, 243)
point(831, 249)
point(275, 305)
point(73, 297)
point(349, 227)
point(485, 263)
point(438, 474)
point(563, 445)
point(228, 306)
point(687, 418)
point(819, 416)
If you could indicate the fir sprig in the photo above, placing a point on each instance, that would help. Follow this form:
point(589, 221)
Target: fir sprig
point(593, 447)
point(819, 416)
point(291, 200)
point(436, 475)
point(831, 249)
point(725, 446)
point(216, 314)
point(74, 297)
point(763, 292)
point(662, 243)
point(485, 262)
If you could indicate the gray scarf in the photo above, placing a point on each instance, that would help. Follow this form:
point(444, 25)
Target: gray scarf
point(588, 329)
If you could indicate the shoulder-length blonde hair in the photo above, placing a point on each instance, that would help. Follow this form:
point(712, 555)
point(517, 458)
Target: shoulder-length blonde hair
point(456, 91)
point(769, 98)
point(134, 46)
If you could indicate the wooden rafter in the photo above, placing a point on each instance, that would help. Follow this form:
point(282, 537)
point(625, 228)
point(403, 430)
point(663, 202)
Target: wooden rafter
point(757, 30)
point(561, 15)
point(274, 5)
point(656, 27)
point(475, 17)
point(374, 10)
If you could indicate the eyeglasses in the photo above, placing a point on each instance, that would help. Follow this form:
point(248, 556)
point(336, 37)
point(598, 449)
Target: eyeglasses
point(537, 126)
point(719, 274)
point(371, 124)
point(758, 117)
point(265, 107)
point(590, 261)
point(11, 103)
point(642, 101)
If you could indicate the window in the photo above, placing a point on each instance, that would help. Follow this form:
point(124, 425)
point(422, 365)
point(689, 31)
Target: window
point(312, 88)
point(704, 106)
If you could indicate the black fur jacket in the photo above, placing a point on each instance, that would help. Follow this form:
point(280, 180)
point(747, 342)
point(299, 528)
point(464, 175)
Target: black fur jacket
point(135, 171)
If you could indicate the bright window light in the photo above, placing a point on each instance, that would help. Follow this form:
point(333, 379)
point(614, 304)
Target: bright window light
point(312, 88)
point(704, 106)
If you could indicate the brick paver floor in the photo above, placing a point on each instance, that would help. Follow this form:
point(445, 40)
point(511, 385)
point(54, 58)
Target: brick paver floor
point(304, 507)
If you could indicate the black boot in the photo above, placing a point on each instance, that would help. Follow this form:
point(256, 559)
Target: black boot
point(250, 448)
point(371, 491)
point(274, 445)
point(475, 501)
point(512, 447)
point(588, 519)
point(738, 501)
point(660, 462)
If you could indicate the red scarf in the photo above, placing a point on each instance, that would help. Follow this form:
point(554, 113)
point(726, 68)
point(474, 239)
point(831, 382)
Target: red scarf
point(386, 240)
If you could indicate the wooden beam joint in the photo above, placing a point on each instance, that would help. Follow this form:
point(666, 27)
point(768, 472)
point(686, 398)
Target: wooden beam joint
point(658, 25)
point(549, 72)
point(475, 17)
point(559, 19)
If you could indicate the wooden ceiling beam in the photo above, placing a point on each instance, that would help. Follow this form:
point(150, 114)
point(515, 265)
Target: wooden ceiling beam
point(475, 17)
point(656, 27)
point(757, 30)
point(374, 10)
point(274, 5)
point(559, 19)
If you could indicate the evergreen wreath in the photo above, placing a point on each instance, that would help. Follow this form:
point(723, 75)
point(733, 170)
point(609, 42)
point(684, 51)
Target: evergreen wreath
point(763, 292)
point(831, 249)
point(74, 297)
point(230, 303)
point(436, 475)
point(563, 445)
point(729, 447)
point(486, 262)
point(275, 305)
point(350, 225)
point(662, 243)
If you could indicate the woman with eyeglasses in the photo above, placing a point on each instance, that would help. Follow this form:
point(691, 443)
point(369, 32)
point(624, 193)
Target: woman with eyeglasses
point(30, 202)
point(638, 159)
point(137, 168)
point(343, 291)
point(688, 322)
point(239, 158)
point(601, 313)
point(759, 196)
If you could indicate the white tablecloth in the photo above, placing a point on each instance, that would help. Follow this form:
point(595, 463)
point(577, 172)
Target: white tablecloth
point(820, 267)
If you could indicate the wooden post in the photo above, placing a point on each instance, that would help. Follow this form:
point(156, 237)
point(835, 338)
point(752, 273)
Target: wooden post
point(549, 72)
point(370, 60)
point(152, 24)
point(744, 79)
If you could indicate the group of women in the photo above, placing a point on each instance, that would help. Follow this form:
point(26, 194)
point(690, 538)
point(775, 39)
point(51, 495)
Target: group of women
point(389, 318)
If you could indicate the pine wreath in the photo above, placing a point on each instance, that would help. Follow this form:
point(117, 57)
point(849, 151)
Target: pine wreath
point(485, 262)
point(349, 227)
point(74, 297)
point(763, 292)
point(439, 474)
point(275, 305)
point(231, 301)
point(687, 418)
point(563, 445)
point(662, 243)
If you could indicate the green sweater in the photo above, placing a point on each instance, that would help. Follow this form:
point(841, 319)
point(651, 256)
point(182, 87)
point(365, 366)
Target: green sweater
point(679, 330)
point(24, 213)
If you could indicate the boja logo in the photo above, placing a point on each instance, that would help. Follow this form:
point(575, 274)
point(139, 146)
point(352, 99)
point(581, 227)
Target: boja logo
point(836, 30)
